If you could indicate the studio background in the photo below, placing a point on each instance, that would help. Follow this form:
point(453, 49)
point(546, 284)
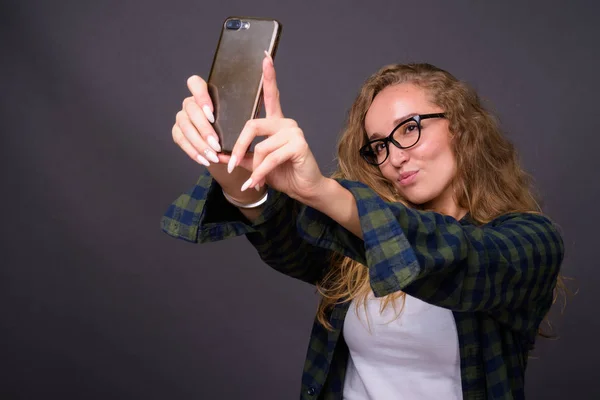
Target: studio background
point(96, 302)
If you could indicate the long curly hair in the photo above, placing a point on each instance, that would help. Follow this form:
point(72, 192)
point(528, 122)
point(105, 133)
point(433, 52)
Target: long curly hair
point(489, 181)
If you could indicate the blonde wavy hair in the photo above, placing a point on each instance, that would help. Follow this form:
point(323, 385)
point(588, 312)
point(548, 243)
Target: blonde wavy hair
point(489, 180)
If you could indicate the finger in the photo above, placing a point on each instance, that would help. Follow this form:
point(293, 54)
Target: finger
point(199, 90)
point(270, 90)
point(245, 162)
point(271, 161)
point(268, 152)
point(269, 145)
point(186, 146)
point(198, 118)
point(252, 129)
point(264, 148)
point(193, 136)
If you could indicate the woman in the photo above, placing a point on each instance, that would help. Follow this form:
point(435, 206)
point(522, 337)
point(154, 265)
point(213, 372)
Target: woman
point(427, 233)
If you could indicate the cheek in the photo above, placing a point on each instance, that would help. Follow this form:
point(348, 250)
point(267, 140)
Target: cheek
point(433, 150)
point(437, 159)
point(441, 165)
point(388, 171)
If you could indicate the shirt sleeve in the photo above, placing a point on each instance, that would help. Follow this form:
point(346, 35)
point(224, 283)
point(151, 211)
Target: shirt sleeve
point(511, 263)
point(203, 215)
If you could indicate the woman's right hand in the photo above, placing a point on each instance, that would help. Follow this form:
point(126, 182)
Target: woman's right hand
point(193, 132)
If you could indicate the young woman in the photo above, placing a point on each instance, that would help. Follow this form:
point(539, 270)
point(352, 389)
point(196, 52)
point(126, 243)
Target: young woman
point(433, 260)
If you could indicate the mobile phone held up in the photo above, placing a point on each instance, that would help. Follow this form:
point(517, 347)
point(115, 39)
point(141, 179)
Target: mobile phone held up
point(235, 80)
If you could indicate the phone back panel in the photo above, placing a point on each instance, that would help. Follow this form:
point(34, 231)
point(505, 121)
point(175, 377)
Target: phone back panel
point(235, 80)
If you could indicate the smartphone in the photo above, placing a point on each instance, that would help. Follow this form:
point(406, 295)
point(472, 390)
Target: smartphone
point(235, 80)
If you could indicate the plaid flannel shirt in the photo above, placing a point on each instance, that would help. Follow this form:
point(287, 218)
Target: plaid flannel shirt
point(497, 279)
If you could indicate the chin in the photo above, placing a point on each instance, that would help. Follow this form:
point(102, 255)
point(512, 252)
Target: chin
point(422, 196)
point(417, 199)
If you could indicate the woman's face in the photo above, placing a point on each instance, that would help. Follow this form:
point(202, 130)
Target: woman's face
point(422, 174)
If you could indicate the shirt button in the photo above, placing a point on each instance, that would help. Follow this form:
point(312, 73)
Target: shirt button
point(311, 391)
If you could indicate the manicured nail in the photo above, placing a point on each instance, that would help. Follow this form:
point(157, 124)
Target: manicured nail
point(269, 57)
point(212, 142)
point(246, 184)
point(231, 164)
point(208, 113)
point(257, 187)
point(203, 160)
point(211, 156)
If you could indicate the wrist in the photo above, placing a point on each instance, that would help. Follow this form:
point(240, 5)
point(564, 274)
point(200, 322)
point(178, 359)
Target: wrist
point(322, 194)
point(246, 197)
point(338, 203)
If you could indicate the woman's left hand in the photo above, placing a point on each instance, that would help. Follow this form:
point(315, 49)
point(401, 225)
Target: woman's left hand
point(283, 160)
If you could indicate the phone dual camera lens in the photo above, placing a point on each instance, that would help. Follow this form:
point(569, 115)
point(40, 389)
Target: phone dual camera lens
point(233, 24)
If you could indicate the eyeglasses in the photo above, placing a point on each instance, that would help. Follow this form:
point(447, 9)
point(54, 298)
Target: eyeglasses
point(405, 135)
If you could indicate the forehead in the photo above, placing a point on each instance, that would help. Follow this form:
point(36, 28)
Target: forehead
point(394, 102)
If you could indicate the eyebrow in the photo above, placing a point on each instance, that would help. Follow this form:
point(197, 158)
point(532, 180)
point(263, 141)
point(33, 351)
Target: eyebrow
point(397, 121)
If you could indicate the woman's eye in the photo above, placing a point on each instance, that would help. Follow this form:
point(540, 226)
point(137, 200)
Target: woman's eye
point(410, 128)
point(378, 147)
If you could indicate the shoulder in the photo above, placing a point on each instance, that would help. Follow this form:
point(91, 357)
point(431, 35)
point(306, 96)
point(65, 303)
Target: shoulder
point(524, 219)
point(533, 227)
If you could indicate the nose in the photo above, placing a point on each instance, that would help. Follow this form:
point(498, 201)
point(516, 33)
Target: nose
point(397, 156)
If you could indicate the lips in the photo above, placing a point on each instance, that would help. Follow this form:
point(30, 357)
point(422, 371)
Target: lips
point(407, 177)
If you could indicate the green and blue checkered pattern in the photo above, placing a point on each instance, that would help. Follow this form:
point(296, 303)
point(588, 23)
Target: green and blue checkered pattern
point(498, 278)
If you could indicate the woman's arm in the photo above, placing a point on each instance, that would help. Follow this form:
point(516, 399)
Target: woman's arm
point(342, 210)
point(510, 263)
point(203, 215)
point(279, 245)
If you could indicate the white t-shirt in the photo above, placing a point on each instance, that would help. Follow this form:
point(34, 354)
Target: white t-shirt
point(414, 356)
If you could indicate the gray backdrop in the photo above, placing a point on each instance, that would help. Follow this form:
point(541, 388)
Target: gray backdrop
point(97, 303)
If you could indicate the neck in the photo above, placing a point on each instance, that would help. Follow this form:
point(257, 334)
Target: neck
point(446, 204)
point(453, 211)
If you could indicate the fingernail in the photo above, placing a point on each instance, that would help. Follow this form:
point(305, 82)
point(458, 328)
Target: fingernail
point(246, 184)
point(269, 57)
point(208, 113)
point(203, 160)
point(231, 164)
point(211, 156)
point(214, 144)
point(257, 187)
